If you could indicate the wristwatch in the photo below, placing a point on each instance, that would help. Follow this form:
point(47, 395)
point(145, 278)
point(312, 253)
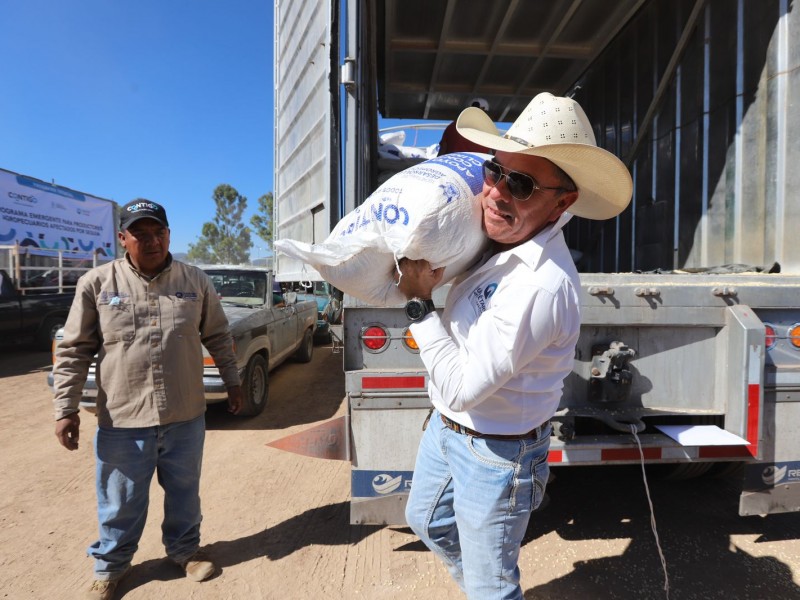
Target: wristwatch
point(417, 308)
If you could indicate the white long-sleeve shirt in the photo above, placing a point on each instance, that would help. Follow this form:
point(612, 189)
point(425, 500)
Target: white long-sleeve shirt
point(498, 354)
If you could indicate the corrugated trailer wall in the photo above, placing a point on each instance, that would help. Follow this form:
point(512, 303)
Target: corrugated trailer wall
point(715, 175)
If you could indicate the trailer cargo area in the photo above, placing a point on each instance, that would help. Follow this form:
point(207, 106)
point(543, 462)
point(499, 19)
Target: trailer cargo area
point(690, 298)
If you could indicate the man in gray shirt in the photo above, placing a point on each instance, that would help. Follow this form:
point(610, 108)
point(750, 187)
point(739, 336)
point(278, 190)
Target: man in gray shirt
point(145, 317)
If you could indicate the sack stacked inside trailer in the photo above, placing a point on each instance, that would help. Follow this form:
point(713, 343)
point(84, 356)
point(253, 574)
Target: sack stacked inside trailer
point(430, 211)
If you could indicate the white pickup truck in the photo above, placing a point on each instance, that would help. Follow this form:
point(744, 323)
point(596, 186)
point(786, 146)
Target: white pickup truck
point(267, 328)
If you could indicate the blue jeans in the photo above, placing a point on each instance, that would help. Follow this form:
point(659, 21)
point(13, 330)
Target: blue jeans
point(470, 503)
point(126, 461)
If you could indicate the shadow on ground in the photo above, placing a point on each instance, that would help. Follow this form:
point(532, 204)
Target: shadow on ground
point(299, 393)
point(20, 360)
point(324, 526)
point(695, 520)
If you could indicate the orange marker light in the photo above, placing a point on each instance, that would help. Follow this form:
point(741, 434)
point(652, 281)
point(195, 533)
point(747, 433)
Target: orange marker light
point(409, 340)
point(794, 335)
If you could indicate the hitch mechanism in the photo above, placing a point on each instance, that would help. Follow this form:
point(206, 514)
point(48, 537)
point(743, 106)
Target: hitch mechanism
point(610, 377)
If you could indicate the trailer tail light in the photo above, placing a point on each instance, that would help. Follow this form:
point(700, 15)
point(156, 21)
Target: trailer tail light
point(794, 335)
point(771, 337)
point(375, 338)
point(409, 341)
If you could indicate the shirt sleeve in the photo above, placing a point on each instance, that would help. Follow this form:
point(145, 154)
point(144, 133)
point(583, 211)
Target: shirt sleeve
point(76, 351)
point(505, 339)
point(216, 336)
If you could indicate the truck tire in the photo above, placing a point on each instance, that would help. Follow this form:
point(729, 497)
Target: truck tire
point(47, 331)
point(306, 349)
point(324, 338)
point(679, 471)
point(725, 470)
point(255, 387)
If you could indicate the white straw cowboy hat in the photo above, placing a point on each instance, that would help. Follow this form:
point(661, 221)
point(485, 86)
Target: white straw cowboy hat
point(557, 129)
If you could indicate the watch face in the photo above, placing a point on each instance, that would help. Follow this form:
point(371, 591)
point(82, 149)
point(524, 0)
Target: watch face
point(415, 310)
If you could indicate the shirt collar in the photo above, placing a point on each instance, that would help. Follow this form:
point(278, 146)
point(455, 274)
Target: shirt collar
point(531, 251)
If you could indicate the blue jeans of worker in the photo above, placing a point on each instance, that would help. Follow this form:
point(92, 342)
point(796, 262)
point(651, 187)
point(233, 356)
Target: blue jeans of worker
point(470, 503)
point(126, 461)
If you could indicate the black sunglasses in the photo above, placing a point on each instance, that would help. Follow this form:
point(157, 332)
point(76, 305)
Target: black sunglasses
point(520, 185)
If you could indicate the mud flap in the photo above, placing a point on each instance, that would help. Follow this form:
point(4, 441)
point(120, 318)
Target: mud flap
point(779, 491)
point(772, 482)
point(330, 440)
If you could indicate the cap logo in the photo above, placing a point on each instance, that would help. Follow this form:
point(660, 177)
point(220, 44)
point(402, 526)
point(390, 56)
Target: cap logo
point(143, 206)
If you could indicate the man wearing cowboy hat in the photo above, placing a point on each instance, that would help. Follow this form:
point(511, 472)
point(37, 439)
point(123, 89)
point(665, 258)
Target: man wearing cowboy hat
point(498, 354)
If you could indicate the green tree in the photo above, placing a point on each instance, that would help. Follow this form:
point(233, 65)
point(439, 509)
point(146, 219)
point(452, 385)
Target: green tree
point(262, 223)
point(226, 239)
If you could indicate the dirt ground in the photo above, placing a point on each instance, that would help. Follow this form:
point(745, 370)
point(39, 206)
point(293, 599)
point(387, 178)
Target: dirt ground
point(277, 523)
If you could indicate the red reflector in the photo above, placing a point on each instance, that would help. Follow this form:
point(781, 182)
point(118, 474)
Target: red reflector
point(753, 397)
point(724, 452)
point(770, 336)
point(630, 454)
point(375, 337)
point(382, 383)
point(555, 456)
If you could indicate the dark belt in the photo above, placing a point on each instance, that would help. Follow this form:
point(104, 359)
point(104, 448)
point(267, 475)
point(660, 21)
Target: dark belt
point(459, 428)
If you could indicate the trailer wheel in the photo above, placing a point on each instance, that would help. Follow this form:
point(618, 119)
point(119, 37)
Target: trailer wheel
point(255, 387)
point(306, 349)
point(44, 339)
point(679, 471)
point(724, 470)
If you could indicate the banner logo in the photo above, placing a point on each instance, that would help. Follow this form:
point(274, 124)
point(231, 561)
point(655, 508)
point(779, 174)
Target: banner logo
point(22, 199)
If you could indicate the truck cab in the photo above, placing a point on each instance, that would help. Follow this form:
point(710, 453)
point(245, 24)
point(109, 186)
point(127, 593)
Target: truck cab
point(30, 318)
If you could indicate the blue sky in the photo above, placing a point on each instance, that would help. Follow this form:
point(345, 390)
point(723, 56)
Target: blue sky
point(161, 99)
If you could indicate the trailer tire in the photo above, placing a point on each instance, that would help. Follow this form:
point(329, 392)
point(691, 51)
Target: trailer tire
point(679, 471)
point(306, 349)
point(323, 339)
point(47, 331)
point(725, 470)
point(255, 387)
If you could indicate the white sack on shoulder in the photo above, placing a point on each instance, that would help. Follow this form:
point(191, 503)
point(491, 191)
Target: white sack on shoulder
point(430, 211)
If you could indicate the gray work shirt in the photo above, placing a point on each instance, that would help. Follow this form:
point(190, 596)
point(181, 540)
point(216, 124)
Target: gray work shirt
point(147, 335)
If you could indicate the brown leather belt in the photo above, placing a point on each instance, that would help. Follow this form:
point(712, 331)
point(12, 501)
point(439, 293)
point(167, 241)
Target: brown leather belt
point(458, 428)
